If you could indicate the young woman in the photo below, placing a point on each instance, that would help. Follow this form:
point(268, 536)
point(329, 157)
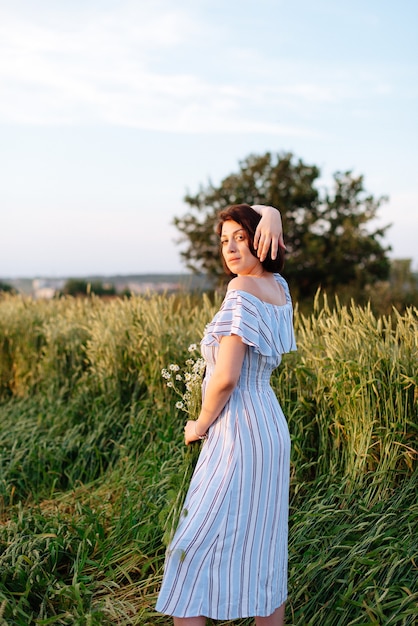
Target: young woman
point(228, 557)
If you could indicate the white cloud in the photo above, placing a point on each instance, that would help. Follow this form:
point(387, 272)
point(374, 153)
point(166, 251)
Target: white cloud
point(104, 68)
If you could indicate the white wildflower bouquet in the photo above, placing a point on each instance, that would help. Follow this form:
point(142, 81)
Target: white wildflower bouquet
point(187, 383)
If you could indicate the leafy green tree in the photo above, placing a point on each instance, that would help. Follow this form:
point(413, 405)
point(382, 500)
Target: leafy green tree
point(6, 287)
point(325, 232)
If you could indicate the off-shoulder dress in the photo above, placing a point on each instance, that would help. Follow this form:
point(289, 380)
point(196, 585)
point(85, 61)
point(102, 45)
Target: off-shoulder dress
point(228, 557)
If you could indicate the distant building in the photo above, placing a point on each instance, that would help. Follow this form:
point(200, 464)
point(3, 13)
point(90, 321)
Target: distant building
point(46, 288)
point(147, 287)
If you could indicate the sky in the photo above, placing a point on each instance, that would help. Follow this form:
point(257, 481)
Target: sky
point(112, 110)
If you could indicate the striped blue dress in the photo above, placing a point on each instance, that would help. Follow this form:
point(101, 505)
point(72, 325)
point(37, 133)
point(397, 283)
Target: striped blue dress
point(228, 557)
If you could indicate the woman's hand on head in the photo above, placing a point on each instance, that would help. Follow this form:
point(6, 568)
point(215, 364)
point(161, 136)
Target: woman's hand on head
point(269, 232)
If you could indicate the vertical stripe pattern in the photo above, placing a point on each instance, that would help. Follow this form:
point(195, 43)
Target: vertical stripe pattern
point(228, 557)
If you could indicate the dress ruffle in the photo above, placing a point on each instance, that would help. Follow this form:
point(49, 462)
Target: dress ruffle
point(250, 318)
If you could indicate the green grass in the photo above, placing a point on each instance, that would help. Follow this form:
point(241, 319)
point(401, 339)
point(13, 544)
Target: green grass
point(92, 460)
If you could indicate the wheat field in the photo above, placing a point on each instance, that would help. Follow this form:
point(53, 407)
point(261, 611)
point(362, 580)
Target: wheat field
point(92, 460)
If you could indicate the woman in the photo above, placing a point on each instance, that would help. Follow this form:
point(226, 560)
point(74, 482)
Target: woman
point(228, 557)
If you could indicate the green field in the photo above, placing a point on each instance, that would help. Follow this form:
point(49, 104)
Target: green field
point(92, 460)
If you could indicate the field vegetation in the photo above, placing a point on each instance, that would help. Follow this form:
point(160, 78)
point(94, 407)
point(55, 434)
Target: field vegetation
point(92, 459)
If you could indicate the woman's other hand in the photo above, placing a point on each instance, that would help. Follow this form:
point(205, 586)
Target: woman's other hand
point(190, 433)
point(269, 232)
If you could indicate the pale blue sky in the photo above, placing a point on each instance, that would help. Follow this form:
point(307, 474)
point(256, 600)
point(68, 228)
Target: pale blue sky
point(110, 111)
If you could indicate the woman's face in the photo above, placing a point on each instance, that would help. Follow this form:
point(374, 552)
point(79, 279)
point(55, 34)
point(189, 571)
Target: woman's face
point(235, 250)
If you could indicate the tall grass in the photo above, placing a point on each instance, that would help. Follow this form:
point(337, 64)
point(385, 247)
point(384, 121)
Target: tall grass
point(91, 455)
point(351, 394)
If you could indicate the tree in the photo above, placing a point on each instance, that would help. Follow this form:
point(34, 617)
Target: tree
point(325, 232)
point(6, 288)
point(80, 287)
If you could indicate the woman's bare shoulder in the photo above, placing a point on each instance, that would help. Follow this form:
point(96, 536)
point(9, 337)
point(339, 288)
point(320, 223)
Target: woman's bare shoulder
point(268, 290)
point(243, 283)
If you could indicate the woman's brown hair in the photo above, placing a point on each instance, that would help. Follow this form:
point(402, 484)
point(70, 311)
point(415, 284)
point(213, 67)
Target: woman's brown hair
point(246, 217)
